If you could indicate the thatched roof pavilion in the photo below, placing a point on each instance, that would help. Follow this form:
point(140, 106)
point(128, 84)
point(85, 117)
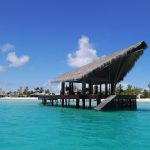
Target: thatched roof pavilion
point(98, 80)
point(110, 69)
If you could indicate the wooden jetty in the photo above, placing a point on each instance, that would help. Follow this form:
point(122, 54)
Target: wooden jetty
point(98, 82)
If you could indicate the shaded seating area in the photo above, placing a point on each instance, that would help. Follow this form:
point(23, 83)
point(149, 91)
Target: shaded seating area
point(98, 80)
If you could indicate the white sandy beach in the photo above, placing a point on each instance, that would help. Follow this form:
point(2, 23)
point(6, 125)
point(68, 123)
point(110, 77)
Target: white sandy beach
point(143, 100)
point(20, 98)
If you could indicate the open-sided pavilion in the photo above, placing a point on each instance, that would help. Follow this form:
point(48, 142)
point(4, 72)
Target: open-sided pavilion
point(98, 80)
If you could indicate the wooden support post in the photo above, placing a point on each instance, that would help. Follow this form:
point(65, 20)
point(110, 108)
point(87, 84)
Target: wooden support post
point(52, 103)
point(109, 89)
point(62, 88)
point(106, 89)
point(90, 103)
point(68, 102)
point(65, 102)
point(112, 88)
point(83, 87)
point(83, 92)
point(77, 103)
point(90, 92)
point(100, 89)
point(62, 102)
point(90, 88)
point(83, 103)
point(44, 102)
point(70, 90)
point(62, 92)
point(95, 89)
point(98, 101)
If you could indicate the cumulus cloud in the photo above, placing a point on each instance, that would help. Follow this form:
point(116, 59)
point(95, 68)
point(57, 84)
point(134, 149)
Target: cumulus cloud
point(16, 61)
point(2, 68)
point(7, 47)
point(84, 55)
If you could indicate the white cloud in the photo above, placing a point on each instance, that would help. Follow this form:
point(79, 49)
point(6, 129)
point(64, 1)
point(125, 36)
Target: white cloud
point(2, 68)
point(16, 61)
point(7, 47)
point(84, 55)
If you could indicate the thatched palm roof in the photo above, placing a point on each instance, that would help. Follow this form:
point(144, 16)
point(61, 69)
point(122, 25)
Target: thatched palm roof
point(112, 68)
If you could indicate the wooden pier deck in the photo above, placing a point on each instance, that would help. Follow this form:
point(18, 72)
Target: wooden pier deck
point(118, 102)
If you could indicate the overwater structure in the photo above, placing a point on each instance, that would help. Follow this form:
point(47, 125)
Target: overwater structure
point(98, 81)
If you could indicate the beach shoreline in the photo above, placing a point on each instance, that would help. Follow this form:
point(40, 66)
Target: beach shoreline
point(36, 98)
point(20, 98)
point(143, 100)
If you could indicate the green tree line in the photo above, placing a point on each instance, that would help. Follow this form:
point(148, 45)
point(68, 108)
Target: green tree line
point(120, 89)
point(130, 90)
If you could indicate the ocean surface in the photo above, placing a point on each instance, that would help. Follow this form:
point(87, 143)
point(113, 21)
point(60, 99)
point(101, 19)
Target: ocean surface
point(28, 125)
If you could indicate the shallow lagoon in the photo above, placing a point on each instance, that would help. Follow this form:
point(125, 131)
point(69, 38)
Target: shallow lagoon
point(26, 124)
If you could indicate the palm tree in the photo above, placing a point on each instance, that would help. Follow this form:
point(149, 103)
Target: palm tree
point(37, 89)
point(47, 91)
point(148, 86)
point(41, 90)
point(148, 90)
point(26, 90)
point(119, 89)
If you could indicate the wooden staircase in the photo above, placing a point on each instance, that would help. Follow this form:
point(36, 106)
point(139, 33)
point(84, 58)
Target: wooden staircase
point(105, 102)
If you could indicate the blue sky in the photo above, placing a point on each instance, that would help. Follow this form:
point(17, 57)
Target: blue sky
point(43, 32)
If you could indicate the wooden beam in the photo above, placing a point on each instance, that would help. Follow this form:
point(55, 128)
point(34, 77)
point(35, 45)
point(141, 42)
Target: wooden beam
point(97, 80)
point(79, 96)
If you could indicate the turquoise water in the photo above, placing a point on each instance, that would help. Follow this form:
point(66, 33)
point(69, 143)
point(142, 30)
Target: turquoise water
point(27, 125)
